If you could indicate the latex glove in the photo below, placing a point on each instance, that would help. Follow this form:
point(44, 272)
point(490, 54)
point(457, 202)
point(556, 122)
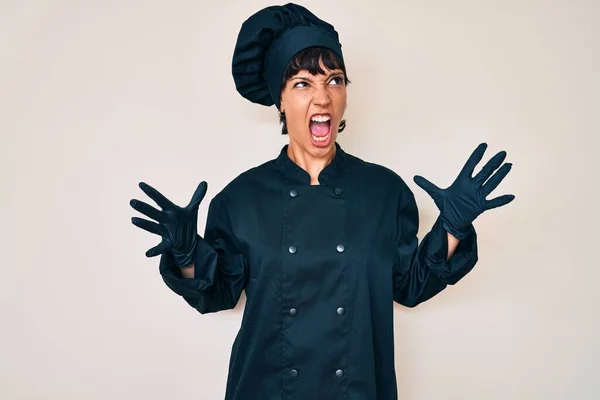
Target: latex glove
point(177, 226)
point(465, 199)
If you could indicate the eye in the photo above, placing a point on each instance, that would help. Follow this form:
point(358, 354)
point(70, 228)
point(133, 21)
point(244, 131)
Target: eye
point(337, 80)
point(300, 83)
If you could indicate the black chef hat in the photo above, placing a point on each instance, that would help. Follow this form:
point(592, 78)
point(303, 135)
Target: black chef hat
point(268, 40)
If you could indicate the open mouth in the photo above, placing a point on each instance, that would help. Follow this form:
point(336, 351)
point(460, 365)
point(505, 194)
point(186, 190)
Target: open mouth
point(320, 128)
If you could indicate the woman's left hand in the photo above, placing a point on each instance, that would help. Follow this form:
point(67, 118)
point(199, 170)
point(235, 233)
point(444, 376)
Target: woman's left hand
point(465, 199)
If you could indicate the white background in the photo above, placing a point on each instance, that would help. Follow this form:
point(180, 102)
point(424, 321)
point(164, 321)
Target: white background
point(96, 96)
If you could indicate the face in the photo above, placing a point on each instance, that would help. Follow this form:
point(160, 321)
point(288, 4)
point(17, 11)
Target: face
point(314, 107)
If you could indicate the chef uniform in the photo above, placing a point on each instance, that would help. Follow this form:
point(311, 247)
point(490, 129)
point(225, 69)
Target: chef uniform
point(321, 265)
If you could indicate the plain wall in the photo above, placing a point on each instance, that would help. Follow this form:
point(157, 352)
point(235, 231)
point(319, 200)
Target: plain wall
point(98, 96)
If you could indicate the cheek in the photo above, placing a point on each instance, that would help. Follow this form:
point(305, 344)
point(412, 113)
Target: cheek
point(345, 99)
point(296, 120)
point(341, 100)
point(296, 112)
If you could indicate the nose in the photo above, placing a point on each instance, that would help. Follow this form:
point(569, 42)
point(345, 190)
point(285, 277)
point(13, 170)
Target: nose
point(321, 96)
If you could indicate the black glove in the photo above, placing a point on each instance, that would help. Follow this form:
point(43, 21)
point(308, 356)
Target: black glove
point(465, 199)
point(176, 225)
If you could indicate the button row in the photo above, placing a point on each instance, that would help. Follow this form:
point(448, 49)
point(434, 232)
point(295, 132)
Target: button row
point(340, 249)
point(294, 311)
point(337, 191)
point(339, 373)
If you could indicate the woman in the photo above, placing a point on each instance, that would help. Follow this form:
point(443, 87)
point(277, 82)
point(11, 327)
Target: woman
point(322, 242)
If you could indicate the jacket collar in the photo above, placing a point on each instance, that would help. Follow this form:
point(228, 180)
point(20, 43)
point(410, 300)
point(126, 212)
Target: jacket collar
point(293, 172)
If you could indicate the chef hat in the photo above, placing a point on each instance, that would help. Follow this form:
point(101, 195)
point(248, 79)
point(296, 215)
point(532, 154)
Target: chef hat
point(266, 43)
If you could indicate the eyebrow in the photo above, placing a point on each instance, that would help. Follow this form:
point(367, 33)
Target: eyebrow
point(304, 78)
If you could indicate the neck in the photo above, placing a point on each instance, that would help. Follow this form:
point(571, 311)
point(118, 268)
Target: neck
point(313, 164)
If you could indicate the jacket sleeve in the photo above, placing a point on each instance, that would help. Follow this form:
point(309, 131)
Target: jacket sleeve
point(422, 271)
point(220, 267)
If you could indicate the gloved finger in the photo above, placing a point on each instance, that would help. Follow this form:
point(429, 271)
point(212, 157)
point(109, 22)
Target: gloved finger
point(149, 226)
point(162, 247)
point(499, 201)
point(427, 186)
point(155, 195)
point(489, 168)
point(476, 156)
point(495, 180)
point(147, 210)
point(198, 195)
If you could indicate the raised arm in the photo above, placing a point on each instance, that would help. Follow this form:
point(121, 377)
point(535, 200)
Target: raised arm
point(208, 272)
point(423, 270)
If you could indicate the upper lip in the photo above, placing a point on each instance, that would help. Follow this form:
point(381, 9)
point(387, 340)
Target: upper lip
point(320, 115)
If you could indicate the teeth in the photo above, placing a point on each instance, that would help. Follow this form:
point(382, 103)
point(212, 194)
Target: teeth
point(320, 139)
point(321, 118)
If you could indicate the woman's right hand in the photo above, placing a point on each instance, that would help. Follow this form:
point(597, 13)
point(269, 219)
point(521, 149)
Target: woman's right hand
point(176, 225)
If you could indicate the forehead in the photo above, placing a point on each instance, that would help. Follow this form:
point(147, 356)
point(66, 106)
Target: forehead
point(326, 73)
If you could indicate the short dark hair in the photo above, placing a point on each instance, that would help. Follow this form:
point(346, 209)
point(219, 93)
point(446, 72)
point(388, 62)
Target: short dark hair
point(309, 59)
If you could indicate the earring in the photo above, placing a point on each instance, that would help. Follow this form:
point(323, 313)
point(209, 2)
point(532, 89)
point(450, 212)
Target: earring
point(342, 125)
